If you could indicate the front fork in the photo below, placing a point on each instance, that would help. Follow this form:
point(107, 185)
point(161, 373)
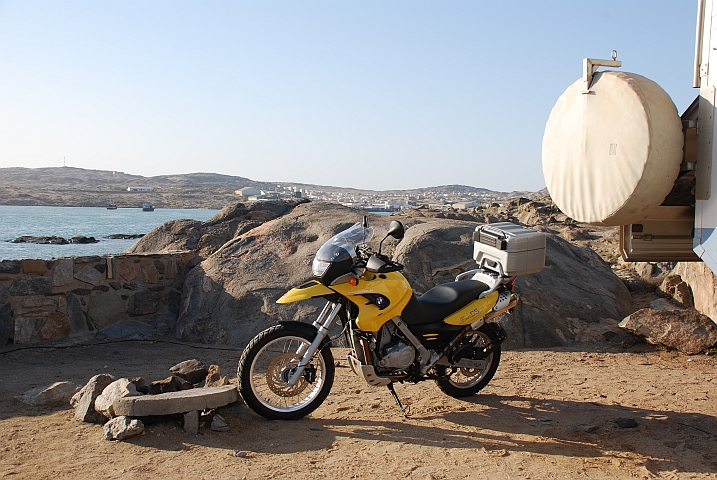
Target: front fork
point(322, 324)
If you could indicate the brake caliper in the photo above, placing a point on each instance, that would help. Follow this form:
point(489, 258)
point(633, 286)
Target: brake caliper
point(310, 373)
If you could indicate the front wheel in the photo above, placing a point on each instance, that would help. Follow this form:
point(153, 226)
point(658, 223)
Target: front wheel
point(266, 366)
point(463, 382)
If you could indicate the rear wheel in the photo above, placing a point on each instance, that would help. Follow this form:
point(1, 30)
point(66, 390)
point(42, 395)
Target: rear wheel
point(266, 366)
point(463, 382)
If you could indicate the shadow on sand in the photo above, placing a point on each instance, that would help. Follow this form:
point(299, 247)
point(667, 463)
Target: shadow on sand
point(511, 423)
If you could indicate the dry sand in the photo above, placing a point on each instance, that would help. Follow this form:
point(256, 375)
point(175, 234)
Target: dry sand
point(521, 426)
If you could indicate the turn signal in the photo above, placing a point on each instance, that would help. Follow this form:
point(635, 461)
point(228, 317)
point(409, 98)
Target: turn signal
point(353, 281)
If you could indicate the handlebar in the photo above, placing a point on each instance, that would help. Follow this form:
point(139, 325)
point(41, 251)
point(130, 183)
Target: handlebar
point(384, 264)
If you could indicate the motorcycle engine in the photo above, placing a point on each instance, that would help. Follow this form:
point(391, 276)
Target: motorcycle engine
point(395, 352)
point(399, 356)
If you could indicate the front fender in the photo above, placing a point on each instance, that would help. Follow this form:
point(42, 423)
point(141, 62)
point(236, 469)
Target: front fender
point(305, 328)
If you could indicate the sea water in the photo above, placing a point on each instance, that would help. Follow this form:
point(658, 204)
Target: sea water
point(70, 222)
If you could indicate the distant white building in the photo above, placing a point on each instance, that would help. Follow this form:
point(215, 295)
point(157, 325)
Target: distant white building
point(465, 205)
point(438, 206)
point(247, 192)
point(140, 189)
point(264, 197)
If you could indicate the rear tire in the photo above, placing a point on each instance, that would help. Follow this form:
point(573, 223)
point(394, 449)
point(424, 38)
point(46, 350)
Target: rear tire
point(464, 382)
point(266, 365)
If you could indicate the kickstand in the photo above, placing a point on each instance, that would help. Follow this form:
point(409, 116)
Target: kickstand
point(398, 402)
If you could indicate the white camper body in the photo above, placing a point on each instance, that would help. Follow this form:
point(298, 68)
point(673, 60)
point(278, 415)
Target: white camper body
point(604, 163)
point(705, 241)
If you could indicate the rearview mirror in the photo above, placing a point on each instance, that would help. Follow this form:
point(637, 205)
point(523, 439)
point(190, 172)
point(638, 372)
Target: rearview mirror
point(396, 230)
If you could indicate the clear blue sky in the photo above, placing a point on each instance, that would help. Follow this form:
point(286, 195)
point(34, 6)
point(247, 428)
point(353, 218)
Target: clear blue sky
point(365, 94)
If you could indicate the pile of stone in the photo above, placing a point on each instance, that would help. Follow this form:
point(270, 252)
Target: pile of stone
point(193, 390)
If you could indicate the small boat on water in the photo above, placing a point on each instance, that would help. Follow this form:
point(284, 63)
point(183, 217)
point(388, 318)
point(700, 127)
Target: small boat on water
point(112, 206)
point(146, 207)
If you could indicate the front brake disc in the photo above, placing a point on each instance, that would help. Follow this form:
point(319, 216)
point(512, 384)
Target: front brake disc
point(279, 372)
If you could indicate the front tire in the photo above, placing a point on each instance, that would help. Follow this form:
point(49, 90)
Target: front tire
point(461, 382)
point(266, 365)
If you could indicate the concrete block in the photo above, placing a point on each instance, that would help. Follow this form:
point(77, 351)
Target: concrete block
point(176, 402)
point(191, 422)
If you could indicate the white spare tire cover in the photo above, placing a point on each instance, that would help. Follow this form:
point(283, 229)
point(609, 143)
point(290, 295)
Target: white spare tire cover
point(611, 156)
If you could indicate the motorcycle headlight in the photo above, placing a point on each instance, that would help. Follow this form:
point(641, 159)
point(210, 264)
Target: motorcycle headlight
point(318, 267)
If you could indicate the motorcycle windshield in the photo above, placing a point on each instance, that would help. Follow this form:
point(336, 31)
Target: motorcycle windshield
point(349, 239)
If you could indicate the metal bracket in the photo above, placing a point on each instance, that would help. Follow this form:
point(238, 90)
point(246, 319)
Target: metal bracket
point(590, 66)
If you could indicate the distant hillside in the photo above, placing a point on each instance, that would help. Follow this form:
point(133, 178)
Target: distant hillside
point(70, 177)
point(69, 186)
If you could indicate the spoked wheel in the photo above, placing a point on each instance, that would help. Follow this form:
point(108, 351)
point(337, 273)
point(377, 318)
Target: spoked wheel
point(268, 363)
point(464, 382)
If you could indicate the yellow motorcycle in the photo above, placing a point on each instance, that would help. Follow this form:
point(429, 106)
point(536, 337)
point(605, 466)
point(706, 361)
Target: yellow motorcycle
point(445, 335)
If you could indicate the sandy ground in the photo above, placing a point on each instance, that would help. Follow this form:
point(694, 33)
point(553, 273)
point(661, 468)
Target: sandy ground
point(520, 426)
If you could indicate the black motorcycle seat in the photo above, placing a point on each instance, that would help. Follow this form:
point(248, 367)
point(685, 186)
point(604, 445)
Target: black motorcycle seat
point(441, 301)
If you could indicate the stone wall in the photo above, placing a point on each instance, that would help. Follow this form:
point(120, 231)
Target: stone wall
point(48, 299)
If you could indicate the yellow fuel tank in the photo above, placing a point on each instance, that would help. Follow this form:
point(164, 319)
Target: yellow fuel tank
point(393, 286)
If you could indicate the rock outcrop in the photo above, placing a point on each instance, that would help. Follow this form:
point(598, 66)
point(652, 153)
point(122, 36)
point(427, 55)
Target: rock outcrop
point(231, 295)
point(702, 283)
point(53, 240)
point(685, 330)
point(673, 286)
point(207, 237)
